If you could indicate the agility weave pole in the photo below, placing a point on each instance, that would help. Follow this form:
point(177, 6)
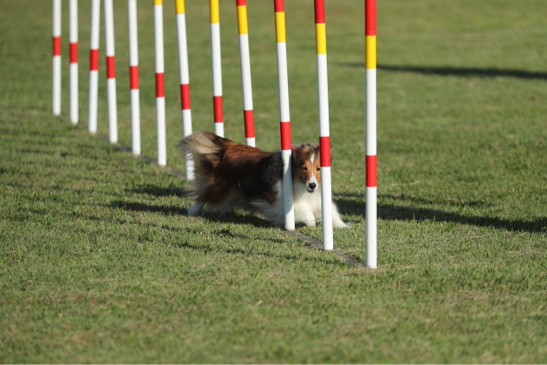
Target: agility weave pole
point(186, 112)
point(56, 60)
point(134, 77)
point(324, 134)
point(73, 54)
point(160, 82)
point(284, 113)
point(370, 146)
point(285, 128)
point(245, 61)
point(110, 72)
point(216, 67)
point(94, 65)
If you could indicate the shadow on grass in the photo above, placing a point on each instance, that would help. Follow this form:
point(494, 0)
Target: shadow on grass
point(254, 252)
point(232, 217)
point(353, 203)
point(151, 208)
point(160, 191)
point(459, 71)
point(218, 232)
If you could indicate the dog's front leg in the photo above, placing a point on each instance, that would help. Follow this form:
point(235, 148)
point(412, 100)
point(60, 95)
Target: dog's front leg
point(309, 218)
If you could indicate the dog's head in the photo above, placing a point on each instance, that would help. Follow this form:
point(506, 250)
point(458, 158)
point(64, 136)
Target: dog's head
point(306, 165)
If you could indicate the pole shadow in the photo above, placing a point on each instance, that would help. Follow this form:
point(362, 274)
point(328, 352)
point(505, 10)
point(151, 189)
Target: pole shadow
point(355, 204)
point(459, 71)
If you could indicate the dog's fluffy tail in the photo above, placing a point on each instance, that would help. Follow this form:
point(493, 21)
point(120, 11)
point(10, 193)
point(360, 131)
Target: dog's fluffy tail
point(206, 151)
point(201, 143)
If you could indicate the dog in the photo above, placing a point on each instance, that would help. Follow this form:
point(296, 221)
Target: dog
point(230, 175)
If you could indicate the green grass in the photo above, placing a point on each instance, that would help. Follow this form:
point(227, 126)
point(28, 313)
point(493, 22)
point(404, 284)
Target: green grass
point(99, 262)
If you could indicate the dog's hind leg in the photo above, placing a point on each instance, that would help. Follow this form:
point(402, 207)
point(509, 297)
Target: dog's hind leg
point(196, 208)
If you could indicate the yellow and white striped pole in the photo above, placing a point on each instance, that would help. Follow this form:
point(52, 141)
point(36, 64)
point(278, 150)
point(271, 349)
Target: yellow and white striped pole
point(284, 113)
point(186, 112)
point(324, 134)
point(371, 169)
point(245, 60)
point(216, 67)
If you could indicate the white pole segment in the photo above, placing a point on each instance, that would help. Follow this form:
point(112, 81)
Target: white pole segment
point(56, 61)
point(111, 72)
point(183, 49)
point(326, 205)
point(160, 87)
point(371, 223)
point(371, 112)
point(73, 71)
point(135, 122)
point(287, 191)
point(323, 95)
point(134, 78)
point(283, 79)
point(94, 65)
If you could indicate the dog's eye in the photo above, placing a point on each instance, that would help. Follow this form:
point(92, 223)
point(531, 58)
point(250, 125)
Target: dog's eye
point(305, 168)
point(319, 169)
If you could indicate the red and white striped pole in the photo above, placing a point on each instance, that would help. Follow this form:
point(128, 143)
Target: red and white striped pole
point(217, 68)
point(160, 83)
point(324, 136)
point(245, 60)
point(111, 72)
point(94, 65)
point(284, 113)
point(186, 112)
point(134, 78)
point(73, 71)
point(56, 62)
point(371, 171)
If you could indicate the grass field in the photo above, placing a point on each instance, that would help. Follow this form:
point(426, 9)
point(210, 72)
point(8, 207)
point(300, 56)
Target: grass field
point(99, 262)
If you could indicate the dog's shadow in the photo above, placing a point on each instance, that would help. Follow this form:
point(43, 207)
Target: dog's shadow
point(237, 217)
point(234, 216)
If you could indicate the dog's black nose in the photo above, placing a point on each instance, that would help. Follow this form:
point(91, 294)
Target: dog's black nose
point(312, 186)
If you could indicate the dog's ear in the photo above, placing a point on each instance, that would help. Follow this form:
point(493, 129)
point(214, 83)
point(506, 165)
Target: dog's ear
point(296, 152)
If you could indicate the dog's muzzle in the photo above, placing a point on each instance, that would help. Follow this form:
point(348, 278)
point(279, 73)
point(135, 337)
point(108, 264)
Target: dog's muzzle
point(311, 187)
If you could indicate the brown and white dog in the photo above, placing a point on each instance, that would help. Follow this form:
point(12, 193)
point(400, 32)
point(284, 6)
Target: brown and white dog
point(229, 175)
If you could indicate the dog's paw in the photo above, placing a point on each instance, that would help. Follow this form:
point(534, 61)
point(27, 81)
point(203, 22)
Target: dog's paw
point(340, 224)
point(195, 209)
